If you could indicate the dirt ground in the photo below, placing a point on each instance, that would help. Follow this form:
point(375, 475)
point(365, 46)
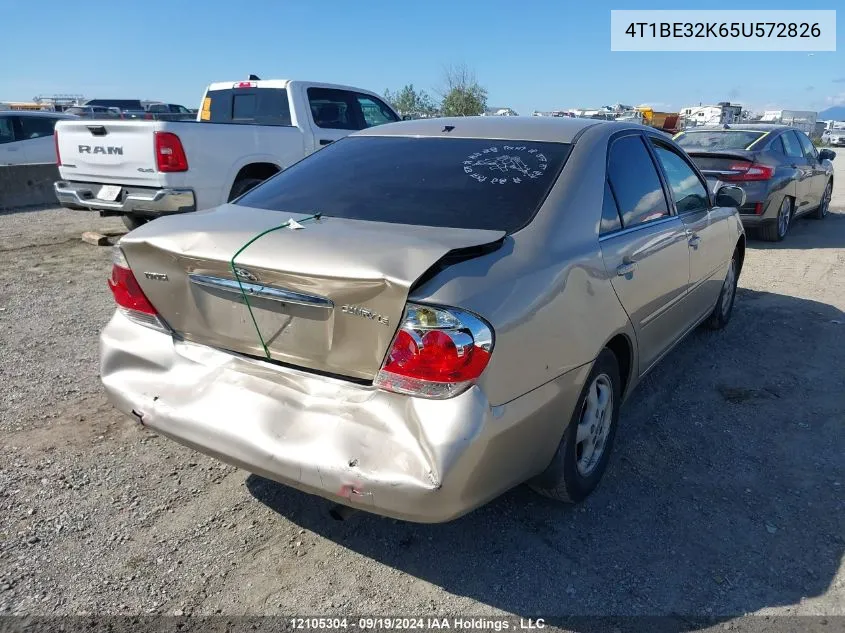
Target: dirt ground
point(725, 495)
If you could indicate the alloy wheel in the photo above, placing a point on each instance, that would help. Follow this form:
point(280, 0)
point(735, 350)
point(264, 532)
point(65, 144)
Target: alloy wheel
point(784, 216)
point(828, 193)
point(729, 290)
point(594, 425)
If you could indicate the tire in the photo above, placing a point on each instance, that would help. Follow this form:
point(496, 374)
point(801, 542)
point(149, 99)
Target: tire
point(242, 186)
point(821, 212)
point(572, 476)
point(725, 304)
point(777, 230)
point(132, 221)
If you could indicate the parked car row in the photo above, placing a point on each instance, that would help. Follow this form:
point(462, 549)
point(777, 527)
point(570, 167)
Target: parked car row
point(782, 173)
point(415, 318)
point(132, 109)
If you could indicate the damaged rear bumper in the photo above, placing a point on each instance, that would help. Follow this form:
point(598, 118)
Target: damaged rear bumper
point(408, 458)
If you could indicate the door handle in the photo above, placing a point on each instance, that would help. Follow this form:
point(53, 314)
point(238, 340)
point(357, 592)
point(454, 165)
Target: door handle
point(694, 240)
point(626, 269)
point(325, 141)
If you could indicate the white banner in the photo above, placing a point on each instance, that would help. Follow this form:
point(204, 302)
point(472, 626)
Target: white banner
point(723, 30)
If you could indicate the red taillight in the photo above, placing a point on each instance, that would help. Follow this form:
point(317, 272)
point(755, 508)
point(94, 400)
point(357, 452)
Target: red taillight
point(128, 295)
point(245, 84)
point(58, 153)
point(758, 208)
point(170, 155)
point(437, 353)
point(747, 171)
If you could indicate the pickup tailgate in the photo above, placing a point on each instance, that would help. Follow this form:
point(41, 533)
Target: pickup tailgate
point(109, 151)
point(328, 297)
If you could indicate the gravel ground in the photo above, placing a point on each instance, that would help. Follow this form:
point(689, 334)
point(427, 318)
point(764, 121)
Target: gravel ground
point(724, 495)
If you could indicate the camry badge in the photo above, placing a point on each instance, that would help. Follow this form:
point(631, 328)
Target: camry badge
point(366, 313)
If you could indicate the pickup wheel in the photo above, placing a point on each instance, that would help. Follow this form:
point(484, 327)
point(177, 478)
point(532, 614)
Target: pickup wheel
point(242, 186)
point(133, 221)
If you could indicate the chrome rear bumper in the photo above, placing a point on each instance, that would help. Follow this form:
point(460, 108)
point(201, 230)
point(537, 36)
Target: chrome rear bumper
point(139, 200)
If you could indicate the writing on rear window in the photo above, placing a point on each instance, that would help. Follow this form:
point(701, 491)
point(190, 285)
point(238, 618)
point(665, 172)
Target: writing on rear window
point(506, 164)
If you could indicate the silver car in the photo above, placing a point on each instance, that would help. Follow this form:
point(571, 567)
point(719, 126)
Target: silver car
point(421, 316)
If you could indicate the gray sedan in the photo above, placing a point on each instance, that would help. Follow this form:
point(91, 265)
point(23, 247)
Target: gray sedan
point(784, 176)
point(421, 316)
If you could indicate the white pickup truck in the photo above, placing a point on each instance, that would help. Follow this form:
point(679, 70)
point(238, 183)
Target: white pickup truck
point(245, 132)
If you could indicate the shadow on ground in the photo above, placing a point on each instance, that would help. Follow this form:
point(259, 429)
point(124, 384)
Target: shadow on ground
point(724, 494)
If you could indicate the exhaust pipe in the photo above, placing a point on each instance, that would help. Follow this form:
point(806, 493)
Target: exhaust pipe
point(341, 512)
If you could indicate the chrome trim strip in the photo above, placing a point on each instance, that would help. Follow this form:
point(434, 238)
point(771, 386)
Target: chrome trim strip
point(260, 290)
point(638, 227)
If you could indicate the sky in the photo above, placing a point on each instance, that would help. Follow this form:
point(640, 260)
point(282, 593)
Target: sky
point(540, 55)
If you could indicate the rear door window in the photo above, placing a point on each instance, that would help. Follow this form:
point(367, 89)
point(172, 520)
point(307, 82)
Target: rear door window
point(635, 183)
point(791, 144)
point(36, 127)
point(807, 145)
point(7, 130)
point(249, 106)
point(610, 219)
point(443, 182)
point(336, 109)
point(777, 146)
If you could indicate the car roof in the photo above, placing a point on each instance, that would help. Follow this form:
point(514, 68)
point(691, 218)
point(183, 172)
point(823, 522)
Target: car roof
point(37, 113)
point(741, 127)
point(552, 129)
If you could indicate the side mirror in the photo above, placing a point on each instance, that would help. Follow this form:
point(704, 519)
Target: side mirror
point(406, 117)
point(730, 196)
point(827, 154)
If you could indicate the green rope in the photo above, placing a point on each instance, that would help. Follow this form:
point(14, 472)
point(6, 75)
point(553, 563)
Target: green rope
point(316, 216)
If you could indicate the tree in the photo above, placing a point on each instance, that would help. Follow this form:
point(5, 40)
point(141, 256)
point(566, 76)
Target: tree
point(462, 94)
point(409, 102)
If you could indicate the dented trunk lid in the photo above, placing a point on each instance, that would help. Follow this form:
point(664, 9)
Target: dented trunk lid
point(327, 297)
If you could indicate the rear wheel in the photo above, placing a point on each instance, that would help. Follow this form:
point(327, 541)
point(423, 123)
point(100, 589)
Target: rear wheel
point(777, 230)
point(824, 205)
point(725, 305)
point(133, 221)
point(583, 453)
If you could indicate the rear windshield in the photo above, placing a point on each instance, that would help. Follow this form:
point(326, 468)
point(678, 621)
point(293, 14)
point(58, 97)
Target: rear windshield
point(456, 183)
point(718, 139)
point(247, 106)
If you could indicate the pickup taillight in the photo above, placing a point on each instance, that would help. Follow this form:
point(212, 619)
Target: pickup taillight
point(170, 155)
point(58, 153)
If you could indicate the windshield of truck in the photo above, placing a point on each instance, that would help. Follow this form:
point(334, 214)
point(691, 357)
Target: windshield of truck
point(457, 183)
point(717, 139)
